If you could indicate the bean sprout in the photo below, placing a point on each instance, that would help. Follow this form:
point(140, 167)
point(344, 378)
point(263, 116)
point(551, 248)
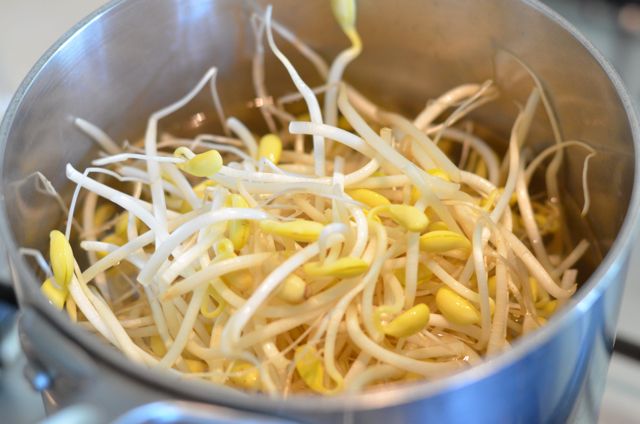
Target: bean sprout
point(274, 264)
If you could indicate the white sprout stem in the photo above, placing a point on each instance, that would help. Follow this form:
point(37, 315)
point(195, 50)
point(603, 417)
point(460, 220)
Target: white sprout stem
point(542, 156)
point(121, 157)
point(571, 259)
point(338, 134)
point(373, 374)
point(163, 250)
point(551, 175)
point(295, 96)
point(318, 62)
point(335, 75)
point(88, 310)
point(217, 104)
point(362, 232)
point(233, 329)
point(481, 147)
point(274, 328)
point(484, 95)
point(497, 336)
point(125, 201)
point(444, 102)
point(99, 136)
point(337, 313)
point(425, 182)
point(133, 174)
point(537, 270)
point(357, 368)
point(213, 271)
point(309, 98)
point(245, 135)
point(337, 230)
point(453, 284)
point(187, 258)
point(439, 321)
point(436, 155)
point(153, 167)
point(100, 246)
point(50, 190)
point(514, 168)
point(257, 73)
point(183, 186)
point(529, 221)
point(421, 156)
point(186, 326)
point(427, 369)
point(411, 269)
point(40, 260)
point(127, 249)
point(482, 281)
point(370, 279)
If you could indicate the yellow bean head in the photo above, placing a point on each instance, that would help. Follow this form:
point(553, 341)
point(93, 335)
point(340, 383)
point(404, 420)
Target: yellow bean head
point(345, 13)
point(157, 346)
point(440, 241)
point(56, 295)
point(239, 228)
point(310, 368)
point(437, 172)
point(195, 365)
point(270, 147)
point(204, 164)
point(548, 309)
point(407, 216)
point(533, 283)
point(345, 267)
point(368, 197)
point(292, 289)
point(456, 308)
point(122, 223)
point(409, 322)
point(424, 274)
point(300, 230)
point(245, 375)
point(61, 257)
point(415, 194)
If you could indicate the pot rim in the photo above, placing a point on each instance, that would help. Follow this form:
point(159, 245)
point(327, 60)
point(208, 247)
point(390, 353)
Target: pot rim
point(591, 291)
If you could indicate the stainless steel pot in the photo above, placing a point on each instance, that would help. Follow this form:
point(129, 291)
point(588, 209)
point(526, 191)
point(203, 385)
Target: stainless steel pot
point(132, 57)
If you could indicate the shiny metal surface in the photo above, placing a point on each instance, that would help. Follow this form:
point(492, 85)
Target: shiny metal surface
point(133, 57)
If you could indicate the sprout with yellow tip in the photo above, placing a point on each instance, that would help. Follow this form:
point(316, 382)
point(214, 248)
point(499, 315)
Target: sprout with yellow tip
point(270, 147)
point(301, 230)
point(62, 260)
point(409, 322)
point(440, 241)
point(205, 164)
point(345, 267)
point(456, 308)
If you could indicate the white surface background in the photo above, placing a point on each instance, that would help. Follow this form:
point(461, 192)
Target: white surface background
point(29, 27)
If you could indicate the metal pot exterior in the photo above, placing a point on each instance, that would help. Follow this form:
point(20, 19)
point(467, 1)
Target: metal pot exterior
point(133, 57)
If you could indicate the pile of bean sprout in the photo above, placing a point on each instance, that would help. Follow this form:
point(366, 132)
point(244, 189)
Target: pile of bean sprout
point(346, 249)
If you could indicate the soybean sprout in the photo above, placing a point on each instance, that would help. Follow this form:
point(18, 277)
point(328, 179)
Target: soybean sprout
point(341, 251)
